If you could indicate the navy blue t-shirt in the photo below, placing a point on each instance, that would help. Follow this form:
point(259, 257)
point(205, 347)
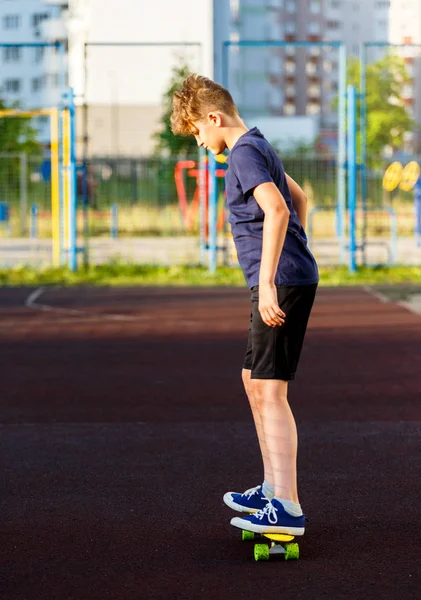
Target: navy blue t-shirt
point(253, 161)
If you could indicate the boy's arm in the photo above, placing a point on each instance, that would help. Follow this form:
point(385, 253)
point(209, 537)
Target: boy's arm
point(275, 227)
point(299, 200)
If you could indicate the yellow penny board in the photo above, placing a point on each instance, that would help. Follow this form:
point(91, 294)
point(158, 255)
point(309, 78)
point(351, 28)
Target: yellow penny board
point(279, 537)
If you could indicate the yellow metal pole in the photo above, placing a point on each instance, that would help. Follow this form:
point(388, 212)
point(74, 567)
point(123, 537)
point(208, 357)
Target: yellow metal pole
point(55, 195)
point(66, 176)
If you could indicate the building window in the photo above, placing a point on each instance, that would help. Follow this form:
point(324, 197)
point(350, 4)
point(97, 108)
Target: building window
point(382, 23)
point(333, 25)
point(37, 84)
point(39, 18)
point(290, 90)
point(290, 6)
point(11, 21)
point(313, 108)
point(39, 53)
point(315, 7)
point(356, 49)
point(356, 27)
point(290, 28)
point(383, 4)
point(290, 67)
point(313, 91)
point(311, 68)
point(335, 3)
point(12, 54)
point(12, 85)
point(315, 51)
point(313, 28)
point(55, 80)
point(356, 6)
point(289, 109)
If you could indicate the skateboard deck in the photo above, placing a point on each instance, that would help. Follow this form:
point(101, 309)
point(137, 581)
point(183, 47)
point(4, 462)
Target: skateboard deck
point(282, 545)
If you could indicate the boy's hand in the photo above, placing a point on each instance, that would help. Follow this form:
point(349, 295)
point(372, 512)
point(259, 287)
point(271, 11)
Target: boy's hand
point(269, 309)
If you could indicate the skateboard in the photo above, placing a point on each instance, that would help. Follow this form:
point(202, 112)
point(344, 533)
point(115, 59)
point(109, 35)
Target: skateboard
point(281, 545)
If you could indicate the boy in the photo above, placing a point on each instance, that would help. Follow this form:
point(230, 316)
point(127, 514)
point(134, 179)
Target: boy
point(267, 216)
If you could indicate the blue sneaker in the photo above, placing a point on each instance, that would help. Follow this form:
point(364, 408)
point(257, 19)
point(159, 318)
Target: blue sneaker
point(250, 501)
point(273, 518)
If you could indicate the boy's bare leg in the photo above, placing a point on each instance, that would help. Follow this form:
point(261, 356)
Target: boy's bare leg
point(279, 434)
point(249, 387)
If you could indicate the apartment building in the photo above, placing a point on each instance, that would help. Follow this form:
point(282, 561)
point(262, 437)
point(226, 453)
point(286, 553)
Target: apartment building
point(34, 77)
point(294, 81)
point(123, 85)
point(405, 28)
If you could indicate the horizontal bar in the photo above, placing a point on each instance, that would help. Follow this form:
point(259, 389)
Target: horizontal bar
point(31, 44)
point(385, 44)
point(25, 113)
point(282, 44)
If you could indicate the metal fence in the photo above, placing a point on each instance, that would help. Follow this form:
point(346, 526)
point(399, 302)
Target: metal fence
point(135, 210)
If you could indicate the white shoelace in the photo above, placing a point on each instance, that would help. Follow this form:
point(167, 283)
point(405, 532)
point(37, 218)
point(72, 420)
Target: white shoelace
point(269, 510)
point(249, 493)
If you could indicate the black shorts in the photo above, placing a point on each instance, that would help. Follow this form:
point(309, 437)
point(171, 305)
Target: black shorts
point(274, 352)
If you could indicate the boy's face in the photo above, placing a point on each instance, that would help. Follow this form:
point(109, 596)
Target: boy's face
point(208, 133)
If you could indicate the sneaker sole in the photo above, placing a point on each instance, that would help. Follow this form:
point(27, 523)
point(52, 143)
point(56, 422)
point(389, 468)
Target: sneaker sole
point(243, 524)
point(230, 502)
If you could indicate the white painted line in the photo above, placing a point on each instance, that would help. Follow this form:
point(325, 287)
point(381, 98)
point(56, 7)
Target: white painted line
point(413, 304)
point(30, 302)
point(381, 297)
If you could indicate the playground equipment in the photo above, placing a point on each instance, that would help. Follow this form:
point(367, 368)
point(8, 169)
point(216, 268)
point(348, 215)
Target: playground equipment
point(190, 210)
point(63, 175)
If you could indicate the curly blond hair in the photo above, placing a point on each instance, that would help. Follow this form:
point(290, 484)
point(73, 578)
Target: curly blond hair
point(197, 96)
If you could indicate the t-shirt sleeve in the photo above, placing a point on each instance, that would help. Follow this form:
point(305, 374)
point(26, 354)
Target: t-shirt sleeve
point(250, 167)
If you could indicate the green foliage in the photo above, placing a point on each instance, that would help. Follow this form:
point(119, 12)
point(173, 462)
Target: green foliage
point(121, 273)
point(167, 143)
point(17, 136)
point(387, 116)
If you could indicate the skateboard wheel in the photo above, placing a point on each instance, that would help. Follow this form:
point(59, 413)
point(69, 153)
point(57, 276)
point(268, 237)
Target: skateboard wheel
point(292, 552)
point(247, 535)
point(261, 552)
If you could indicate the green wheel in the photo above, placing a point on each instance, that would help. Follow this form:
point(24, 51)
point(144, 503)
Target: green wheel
point(292, 552)
point(247, 535)
point(261, 552)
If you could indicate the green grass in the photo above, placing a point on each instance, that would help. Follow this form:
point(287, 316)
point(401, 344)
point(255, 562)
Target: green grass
point(122, 274)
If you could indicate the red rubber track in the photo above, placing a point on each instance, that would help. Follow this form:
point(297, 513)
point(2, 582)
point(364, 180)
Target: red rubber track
point(124, 422)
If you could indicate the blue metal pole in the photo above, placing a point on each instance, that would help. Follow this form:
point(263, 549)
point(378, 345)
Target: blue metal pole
point(225, 50)
point(341, 169)
point(212, 212)
point(114, 220)
point(34, 222)
point(203, 167)
point(72, 184)
point(352, 174)
point(393, 235)
point(61, 186)
point(363, 144)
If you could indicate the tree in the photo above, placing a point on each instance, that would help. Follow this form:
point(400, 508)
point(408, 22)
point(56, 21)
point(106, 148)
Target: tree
point(166, 142)
point(17, 134)
point(388, 119)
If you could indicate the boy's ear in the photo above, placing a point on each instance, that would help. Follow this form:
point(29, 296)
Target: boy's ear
point(215, 118)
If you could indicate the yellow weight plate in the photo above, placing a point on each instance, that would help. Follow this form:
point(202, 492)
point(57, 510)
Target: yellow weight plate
point(410, 176)
point(392, 176)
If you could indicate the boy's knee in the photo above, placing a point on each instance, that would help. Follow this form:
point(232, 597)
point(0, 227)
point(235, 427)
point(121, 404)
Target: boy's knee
point(248, 383)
